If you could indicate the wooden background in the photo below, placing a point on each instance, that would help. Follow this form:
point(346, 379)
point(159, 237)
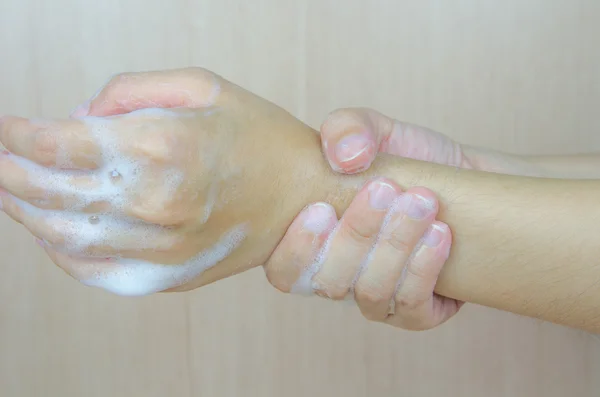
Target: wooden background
point(519, 75)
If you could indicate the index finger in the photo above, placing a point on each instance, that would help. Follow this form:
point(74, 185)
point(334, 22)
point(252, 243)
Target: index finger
point(66, 144)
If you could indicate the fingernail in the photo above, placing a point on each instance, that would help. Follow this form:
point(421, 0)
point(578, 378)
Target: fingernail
point(351, 147)
point(381, 195)
point(415, 206)
point(40, 243)
point(317, 217)
point(81, 110)
point(433, 236)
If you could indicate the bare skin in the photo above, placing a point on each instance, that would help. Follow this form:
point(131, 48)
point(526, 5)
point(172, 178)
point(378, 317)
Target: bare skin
point(505, 249)
point(351, 139)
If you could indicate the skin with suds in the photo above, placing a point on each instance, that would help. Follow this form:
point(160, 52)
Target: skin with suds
point(257, 167)
point(132, 194)
point(298, 249)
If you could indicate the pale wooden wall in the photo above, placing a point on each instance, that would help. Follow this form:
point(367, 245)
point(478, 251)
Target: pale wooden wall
point(513, 74)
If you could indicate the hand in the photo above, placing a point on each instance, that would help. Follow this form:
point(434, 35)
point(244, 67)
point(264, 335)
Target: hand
point(386, 255)
point(358, 244)
point(150, 91)
point(351, 139)
point(141, 201)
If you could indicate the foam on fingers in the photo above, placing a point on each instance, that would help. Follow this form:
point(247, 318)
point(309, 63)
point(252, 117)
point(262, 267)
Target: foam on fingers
point(129, 277)
point(95, 213)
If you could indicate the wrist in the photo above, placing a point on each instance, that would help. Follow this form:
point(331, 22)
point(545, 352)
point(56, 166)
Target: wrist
point(266, 197)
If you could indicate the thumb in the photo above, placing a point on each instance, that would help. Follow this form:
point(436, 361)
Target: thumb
point(352, 138)
point(127, 92)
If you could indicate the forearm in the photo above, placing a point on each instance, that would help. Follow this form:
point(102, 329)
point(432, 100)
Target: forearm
point(584, 166)
point(524, 245)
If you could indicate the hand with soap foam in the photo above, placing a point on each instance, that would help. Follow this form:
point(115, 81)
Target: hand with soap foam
point(374, 290)
point(182, 178)
point(150, 196)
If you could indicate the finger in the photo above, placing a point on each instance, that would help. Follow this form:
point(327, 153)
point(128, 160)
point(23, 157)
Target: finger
point(291, 266)
point(79, 268)
point(106, 274)
point(417, 307)
point(354, 237)
point(45, 187)
point(124, 93)
point(61, 144)
point(123, 276)
point(409, 217)
point(351, 138)
point(420, 143)
point(94, 235)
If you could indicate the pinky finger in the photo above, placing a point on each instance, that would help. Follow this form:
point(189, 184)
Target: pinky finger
point(82, 270)
point(127, 278)
point(417, 306)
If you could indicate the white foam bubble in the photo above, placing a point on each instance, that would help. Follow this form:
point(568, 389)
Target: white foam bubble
point(116, 181)
point(305, 285)
point(82, 231)
point(135, 278)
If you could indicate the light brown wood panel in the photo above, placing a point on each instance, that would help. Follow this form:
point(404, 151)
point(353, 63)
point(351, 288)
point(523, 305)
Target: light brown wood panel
point(517, 75)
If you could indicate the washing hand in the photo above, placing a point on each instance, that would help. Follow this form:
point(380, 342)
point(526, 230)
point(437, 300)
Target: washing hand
point(144, 200)
point(402, 264)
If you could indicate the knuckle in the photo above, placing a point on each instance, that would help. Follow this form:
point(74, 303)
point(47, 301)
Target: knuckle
point(158, 146)
point(370, 294)
point(356, 232)
point(335, 292)
point(405, 303)
point(399, 244)
point(408, 303)
point(150, 214)
point(158, 212)
point(44, 145)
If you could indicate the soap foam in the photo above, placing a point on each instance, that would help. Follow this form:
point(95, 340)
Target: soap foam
point(82, 231)
point(115, 182)
point(136, 278)
point(305, 285)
